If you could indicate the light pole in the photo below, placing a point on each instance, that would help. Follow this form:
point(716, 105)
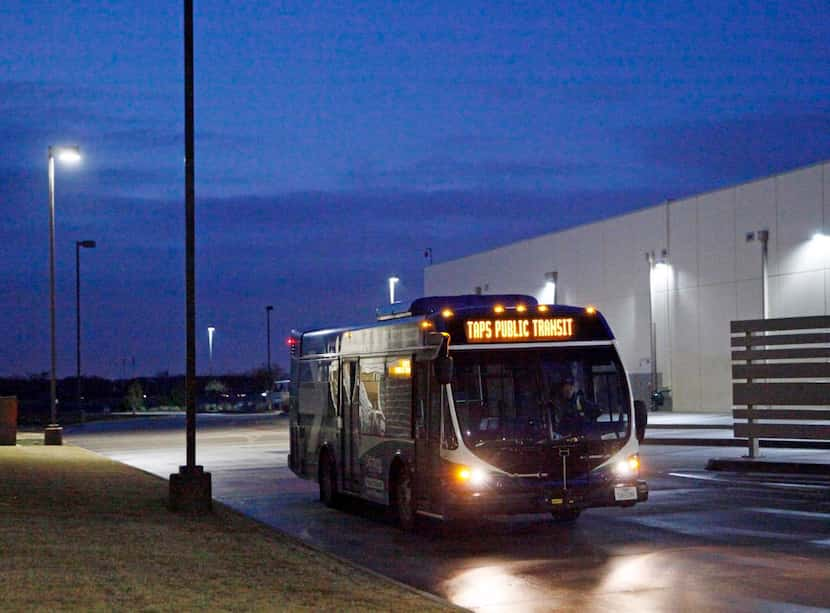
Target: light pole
point(268, 310)
point(53, 435)
point(190, 488)
point(78, 245)
point(392, 282)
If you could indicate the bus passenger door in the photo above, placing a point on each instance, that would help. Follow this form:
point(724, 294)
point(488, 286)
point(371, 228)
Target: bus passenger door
point(350, 430)
point(427, 439)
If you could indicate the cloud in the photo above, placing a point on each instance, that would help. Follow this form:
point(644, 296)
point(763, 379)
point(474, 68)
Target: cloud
point(446, 173)
point(740, 148)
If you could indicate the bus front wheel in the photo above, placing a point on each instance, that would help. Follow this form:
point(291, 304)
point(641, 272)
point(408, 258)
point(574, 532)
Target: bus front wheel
point(404, 500)
point(328, 481)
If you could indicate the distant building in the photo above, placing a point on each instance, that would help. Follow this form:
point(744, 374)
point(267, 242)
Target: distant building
point(707, 271)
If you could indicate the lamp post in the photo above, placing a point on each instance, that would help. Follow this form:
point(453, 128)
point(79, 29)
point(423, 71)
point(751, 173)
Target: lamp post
point(268, 310)
point(392, 282)
point(53, 435)
point(190, 488)
point(78, 245)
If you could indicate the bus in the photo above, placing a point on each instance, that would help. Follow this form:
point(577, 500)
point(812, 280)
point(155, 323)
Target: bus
point(458, 407)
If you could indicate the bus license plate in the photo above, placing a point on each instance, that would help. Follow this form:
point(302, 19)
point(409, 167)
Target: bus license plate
point(626, 492)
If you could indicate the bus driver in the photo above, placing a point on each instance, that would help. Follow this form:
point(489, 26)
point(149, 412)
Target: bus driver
point(571, 409)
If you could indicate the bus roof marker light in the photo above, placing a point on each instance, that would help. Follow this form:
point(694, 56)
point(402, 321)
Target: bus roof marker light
point(521, 308)
point(591, 309)
point(543, 308)
point(499, 309)
point(447, 313)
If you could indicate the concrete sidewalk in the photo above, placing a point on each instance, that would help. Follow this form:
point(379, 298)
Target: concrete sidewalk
point(715, 430)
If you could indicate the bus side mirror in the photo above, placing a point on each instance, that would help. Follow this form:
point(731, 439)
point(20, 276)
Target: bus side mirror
point(641, 417)
point(443, 369)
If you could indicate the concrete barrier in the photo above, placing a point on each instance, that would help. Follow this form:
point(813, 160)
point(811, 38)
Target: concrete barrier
point(8, 420)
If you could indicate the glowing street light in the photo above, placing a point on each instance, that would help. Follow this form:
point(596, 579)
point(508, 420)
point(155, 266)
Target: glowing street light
point(392, 282)
point(53, 435)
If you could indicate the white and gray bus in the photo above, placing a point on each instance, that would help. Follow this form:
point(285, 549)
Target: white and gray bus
point(463, 406)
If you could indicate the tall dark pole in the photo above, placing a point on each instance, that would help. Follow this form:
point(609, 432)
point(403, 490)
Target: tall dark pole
point(78, 245)
point(190, 231)
point(190, 489)
point(268, 310)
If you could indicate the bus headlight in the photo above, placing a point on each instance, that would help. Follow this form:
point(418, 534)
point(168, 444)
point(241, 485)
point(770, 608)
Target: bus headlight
point(629, 467)
point(473, 476)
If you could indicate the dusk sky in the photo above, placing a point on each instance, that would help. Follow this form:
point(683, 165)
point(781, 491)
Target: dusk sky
point(336, 141)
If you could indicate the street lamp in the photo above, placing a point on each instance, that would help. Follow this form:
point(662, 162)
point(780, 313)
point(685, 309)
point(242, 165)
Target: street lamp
point(268, 310)
point(53, 435)
point(392, 282)
point(78, 245)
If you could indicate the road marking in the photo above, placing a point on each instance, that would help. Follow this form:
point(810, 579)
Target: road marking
point(676, 525)
point(774, 484)
point(805, 514)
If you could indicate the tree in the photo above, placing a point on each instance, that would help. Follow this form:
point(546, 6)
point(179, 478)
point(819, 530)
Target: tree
point(134, 400)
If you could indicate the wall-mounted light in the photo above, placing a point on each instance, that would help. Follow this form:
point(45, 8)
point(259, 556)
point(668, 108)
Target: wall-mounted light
point(548, 295)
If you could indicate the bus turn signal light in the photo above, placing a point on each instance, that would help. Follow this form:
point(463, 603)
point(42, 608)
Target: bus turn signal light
point(629, 467)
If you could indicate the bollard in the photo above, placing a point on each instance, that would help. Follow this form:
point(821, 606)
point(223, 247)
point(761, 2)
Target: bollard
point(8, 420)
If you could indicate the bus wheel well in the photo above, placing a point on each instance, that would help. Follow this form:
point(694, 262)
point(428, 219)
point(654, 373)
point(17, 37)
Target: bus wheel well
point(327, 478)
point(401, 496)
point(398, 466)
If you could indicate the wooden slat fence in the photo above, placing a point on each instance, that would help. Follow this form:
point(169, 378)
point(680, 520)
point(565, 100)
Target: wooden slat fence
point(781, 363)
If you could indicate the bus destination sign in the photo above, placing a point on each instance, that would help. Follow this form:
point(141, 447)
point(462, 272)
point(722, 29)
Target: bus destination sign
point(517, 330)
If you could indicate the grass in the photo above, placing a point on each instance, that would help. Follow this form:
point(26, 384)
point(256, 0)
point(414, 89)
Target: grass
point(81, 532)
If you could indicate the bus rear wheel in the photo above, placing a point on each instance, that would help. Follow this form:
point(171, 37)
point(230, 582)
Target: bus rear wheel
point(328, 481)
point(404, 500)
point(566, 515)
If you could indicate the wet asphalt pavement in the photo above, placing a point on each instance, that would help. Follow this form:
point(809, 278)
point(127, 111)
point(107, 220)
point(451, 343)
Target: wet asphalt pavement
point(704, 541)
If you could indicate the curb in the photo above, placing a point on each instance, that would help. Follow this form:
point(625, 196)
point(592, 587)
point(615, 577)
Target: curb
point(735, 442)
point(768, 466)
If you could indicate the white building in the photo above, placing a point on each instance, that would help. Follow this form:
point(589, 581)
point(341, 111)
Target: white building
point(713, 274)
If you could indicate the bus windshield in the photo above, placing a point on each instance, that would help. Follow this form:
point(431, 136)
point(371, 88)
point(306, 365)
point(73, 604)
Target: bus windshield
point(540, 396)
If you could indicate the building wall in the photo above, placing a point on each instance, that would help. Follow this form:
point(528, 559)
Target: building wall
point(713, 277)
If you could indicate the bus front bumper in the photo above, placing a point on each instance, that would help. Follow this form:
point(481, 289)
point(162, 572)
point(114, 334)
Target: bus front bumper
point(542, 499)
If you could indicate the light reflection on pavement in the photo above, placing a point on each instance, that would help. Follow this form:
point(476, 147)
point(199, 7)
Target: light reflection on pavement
point(697, 545)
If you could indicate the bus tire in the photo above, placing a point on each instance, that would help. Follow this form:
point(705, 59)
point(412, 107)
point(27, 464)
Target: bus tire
point(566, 516)
point(404, 499)
point(328, 480)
